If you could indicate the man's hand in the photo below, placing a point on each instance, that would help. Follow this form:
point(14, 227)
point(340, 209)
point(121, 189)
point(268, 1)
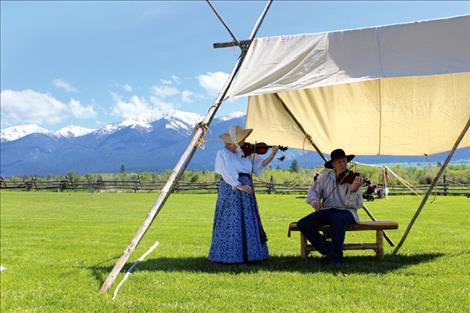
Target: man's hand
point(316, 206)
point(356, 183)
point(245, 188)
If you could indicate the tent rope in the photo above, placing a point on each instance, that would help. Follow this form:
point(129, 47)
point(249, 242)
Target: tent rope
point(201, 140)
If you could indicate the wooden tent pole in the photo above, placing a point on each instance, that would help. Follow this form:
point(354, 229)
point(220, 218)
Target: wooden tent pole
point(384, 181)
point(301, 127)
point(235, 40)
point(181, 165)
point(434, 182)
point(390, 241)
point(369, 213)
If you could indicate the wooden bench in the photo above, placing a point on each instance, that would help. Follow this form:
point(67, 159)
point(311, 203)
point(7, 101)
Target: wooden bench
point(378, 226)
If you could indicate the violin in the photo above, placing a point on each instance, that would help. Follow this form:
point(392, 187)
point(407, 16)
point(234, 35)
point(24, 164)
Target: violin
point(347, 177)
point(258, 148)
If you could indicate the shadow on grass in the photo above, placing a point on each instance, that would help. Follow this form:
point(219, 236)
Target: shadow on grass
point(353, 264)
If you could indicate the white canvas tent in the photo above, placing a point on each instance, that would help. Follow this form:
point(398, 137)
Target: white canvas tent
point(335, 88)
point(392, 90)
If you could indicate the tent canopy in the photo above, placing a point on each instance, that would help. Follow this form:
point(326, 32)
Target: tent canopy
point(391, 90)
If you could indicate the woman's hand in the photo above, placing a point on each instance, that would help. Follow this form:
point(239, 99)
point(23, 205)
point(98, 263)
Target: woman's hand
point(274, 150)
point(245, 188)
point(268, 160)
point(356, 183)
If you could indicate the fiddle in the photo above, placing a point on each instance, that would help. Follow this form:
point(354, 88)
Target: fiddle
point(258, 148)
point(347, 177)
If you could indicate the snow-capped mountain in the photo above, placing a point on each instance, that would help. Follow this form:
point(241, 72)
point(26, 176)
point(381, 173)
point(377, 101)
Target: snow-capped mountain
point(16, 132)
point(232, 115)
point(144, 143)
point(73, 131)
point(176, 120)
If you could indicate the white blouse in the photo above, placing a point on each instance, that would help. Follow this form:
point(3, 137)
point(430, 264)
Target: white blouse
point(228, 164)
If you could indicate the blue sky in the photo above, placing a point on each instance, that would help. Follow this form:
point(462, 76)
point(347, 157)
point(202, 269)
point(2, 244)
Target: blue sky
point(94, 63)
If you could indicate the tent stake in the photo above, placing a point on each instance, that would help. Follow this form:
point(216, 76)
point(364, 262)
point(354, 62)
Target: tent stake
point(434, 182)
point(181, 165)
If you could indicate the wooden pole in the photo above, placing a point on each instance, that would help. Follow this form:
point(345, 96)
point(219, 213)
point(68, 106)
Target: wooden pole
point(301, 128)
point(434, 182)
point(384, 171)
point(235, 40)
point(390, 241)
point(230, 44)
point(180, 166)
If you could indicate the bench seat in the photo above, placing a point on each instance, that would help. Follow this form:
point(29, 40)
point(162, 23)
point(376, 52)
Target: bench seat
point(377, 226)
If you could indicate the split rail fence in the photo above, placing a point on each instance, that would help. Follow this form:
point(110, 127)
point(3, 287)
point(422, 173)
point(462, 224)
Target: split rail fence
point(137, 185)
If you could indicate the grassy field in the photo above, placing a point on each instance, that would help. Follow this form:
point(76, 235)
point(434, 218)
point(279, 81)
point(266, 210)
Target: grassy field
point(59, 247)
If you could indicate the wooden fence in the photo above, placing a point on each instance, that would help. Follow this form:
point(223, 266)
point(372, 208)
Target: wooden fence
point(138, 185)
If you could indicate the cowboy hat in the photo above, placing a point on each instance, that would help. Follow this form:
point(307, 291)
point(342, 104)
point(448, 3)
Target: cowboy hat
point(338, 154)
point(238, 133)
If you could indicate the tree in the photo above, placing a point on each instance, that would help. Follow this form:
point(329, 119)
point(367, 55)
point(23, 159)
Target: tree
point(89, 178)
point(74, 177)
point(294, 166)
point(123, 169)
point(194, 178)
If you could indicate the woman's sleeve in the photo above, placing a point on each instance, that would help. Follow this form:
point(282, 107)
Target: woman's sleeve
point(224, 168)
point(258, 165)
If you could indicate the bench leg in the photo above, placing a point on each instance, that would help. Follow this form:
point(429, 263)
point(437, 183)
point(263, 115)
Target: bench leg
point(303, 246)
point(379, 251)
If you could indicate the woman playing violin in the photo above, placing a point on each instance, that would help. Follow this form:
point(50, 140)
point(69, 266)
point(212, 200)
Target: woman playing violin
point(336, 196)
point(237, 234)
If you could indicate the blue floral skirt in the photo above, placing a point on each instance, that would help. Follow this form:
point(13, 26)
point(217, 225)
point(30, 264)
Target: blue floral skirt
point(237, 234)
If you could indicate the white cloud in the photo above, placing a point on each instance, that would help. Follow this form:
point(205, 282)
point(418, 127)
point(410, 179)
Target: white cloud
point(80, 111)
point(212, 82)
point(176, 79)
point(32, 107)
point(127, 87)
point(166, 82)
point(137, 106)
point(173, 80)
point(29, 106)
point(133, 107)
point(164, 91)
point(161, 105)
point(187, 96)
point(59, 83)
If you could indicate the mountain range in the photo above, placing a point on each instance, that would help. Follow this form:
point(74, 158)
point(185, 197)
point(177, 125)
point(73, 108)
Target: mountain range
point(143, 143)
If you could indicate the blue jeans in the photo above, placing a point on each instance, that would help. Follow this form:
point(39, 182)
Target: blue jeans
point(338, 219)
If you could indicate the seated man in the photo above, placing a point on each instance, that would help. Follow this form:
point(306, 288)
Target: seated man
point(335, 204)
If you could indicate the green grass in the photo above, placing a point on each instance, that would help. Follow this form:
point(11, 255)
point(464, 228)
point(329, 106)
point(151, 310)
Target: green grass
point(59, 247)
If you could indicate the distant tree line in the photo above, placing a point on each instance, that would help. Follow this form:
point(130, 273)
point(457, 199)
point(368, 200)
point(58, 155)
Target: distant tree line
point(454, 174)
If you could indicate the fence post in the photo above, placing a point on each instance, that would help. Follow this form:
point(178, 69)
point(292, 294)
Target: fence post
point(33, 180)
point(270, 186)
point(27, 184)
point(445, 185)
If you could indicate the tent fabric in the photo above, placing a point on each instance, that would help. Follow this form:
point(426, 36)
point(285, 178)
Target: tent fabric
point(392, 90)
point(283, 63)
point(391, 116)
